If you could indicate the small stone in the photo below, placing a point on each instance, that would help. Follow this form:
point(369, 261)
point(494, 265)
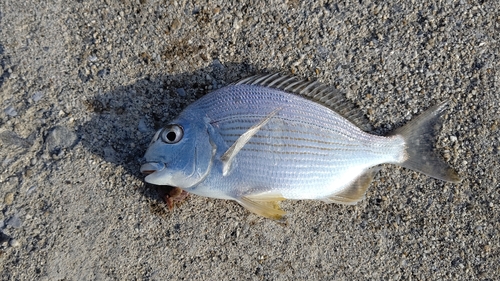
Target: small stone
point(7, 161)
point(175, 24)
point(3, 238)
point(109, 154)
point(103, 72)
point(181, 92)
point(15, 221)
point(31, 190)
point(10, 138)
point(14, 243)
point(8, 198)
point(10, 111)
point(142, 126)
point(237, 24)
point(453, 138)
point(83, 77)
point(37, 96)
point(60, 138)
point(216, 64)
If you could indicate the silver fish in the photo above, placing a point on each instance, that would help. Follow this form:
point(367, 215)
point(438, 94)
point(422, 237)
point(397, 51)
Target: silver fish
point(272, 137)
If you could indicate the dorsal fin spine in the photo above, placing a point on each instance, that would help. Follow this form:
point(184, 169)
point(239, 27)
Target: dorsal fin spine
point(307, 88)
point(273, 82)
point(270, 78)
point(316, 91)
point(292, 85)
point(285, 82)
point(321, 93)
point(258, 80)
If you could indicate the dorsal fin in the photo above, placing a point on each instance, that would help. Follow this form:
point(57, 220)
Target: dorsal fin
point(312, 90)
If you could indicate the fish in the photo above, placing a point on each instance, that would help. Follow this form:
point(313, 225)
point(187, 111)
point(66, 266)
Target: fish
point(274, 137)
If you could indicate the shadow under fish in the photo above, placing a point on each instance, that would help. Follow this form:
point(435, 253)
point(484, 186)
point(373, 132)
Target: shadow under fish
point(124, 119)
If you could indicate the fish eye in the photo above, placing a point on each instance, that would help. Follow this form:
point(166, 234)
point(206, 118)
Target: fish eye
point(172, 134)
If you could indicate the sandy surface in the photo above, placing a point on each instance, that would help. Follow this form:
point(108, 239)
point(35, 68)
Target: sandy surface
point(83, 84)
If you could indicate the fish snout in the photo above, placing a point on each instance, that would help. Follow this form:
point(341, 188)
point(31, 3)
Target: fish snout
point(149, 168)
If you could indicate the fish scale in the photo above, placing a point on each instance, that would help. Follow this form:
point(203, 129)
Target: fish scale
point(271, 137)
point(281, 174)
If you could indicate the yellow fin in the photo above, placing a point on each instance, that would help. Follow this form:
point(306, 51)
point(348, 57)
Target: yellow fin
point(356, 191)
point(265, 197)
point(268, 209)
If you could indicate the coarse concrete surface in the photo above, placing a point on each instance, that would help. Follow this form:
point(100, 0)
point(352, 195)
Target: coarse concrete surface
point(84, 84)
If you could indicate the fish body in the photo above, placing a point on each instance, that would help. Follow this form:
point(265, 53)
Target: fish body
point(270, 138)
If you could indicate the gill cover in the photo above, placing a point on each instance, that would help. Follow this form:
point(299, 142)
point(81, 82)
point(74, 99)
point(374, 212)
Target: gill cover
point(184, 151)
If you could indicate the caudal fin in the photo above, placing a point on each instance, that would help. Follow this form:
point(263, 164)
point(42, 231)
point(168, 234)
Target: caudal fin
point(419, 135)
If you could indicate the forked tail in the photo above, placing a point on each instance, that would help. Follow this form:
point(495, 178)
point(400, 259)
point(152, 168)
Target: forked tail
point(419, 135)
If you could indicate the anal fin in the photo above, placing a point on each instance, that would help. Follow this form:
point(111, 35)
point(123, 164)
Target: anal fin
point(356, 191)
point(268, 209)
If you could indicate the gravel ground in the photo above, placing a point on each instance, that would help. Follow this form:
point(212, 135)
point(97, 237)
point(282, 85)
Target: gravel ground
point(84, 84)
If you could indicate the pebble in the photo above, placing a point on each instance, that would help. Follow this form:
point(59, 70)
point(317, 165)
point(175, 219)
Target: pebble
point(103, 72)
point(216, 64)
point(6, 162)
point(142, 127)
point(10, 111)
point(175, 24)
point(3, 237)
point(109, 153)
point(237, 24)
point(181, 92)
point(31, 190)
point(37, 96)
point(11, 138)
point(59, 138)
point(15, 221)
point(9, 198)
point(28, 173)
point(14, 243)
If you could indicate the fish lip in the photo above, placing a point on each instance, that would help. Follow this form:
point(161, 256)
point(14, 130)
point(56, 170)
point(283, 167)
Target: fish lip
point(152, 167)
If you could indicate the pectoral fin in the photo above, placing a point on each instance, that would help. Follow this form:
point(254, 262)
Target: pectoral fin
point(268, 209)
point(356, 191)
point(228, 156)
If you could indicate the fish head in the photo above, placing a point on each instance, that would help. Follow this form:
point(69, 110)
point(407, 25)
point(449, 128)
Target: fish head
point(180, 154)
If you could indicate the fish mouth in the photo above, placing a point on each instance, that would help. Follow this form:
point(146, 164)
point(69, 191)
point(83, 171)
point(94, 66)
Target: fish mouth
point(152, 167)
